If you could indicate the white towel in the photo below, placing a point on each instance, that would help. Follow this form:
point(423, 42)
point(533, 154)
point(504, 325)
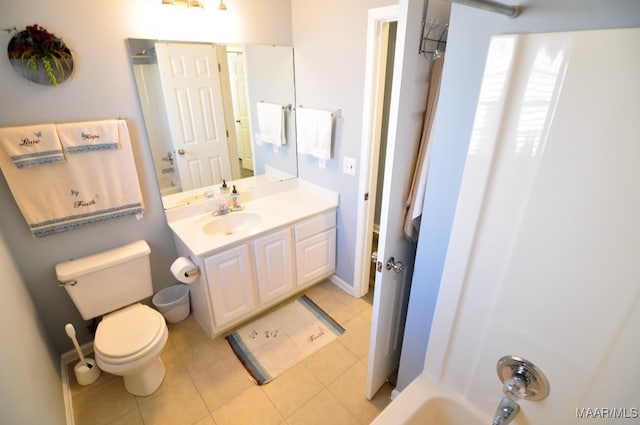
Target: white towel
point(89, 136)
point(314, 132)
point(91, 187)
point(32, 145)
point(270, 123)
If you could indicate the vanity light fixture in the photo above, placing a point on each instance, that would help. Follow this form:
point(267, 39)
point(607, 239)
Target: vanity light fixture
point(188, 3)
point(222, 6)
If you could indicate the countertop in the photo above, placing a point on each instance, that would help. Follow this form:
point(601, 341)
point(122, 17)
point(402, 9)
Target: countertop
point(268, 213)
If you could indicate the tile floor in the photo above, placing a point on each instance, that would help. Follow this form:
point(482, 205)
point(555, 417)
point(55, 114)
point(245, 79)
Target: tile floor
point(206, 385)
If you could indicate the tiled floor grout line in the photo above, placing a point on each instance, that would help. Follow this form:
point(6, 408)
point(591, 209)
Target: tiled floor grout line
point(186, 338)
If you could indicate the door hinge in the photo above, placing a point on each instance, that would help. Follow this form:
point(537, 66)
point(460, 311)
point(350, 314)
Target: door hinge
point(227, 133)
point(219, 67)
point(366, 196)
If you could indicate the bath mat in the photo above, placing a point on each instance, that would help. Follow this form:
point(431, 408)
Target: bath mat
point(274, 343)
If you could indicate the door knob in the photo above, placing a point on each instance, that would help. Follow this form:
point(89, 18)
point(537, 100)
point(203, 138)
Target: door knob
point(180, 151)
point(397, 266)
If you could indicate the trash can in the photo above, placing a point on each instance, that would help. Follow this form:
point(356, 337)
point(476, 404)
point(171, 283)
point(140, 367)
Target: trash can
point(173, 302)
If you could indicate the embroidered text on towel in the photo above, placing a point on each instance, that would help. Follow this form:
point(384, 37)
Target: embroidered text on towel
point(31, 146)
point(89, 136)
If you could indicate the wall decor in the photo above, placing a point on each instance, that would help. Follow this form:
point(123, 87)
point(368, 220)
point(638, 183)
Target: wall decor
point(40, 56)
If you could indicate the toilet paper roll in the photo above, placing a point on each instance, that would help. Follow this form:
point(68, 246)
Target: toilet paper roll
point(184, 270)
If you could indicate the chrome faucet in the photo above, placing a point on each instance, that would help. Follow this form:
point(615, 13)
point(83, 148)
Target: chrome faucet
point(223, 208)
point(507, 410)
point(521, 379)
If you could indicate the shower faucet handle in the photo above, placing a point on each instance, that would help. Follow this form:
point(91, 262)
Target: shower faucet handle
point(515, 388)
point(522, 379)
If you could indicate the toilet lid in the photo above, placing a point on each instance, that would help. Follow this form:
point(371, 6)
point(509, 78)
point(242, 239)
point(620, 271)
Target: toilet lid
point(128, 331)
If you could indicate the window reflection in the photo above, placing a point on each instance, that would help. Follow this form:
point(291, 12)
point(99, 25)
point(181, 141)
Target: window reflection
point(537, 102)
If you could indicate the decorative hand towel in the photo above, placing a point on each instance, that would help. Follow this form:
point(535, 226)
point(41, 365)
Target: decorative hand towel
point(270, 123)
point(89, 136)
point(314, 132)
point(32, 145)
point(88, 188)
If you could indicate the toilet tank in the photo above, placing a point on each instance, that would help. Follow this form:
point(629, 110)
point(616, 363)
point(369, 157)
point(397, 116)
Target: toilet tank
point(104, 282)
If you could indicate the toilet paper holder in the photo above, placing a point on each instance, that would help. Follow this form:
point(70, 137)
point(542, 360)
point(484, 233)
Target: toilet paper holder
point(192, 273)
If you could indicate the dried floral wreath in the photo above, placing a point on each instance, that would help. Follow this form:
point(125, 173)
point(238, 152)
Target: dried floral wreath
point(36, 46)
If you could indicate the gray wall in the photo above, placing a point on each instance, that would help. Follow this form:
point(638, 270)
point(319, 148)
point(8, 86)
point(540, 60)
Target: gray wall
point(103, 87)
point(329, 38)
point(263, 65)
point(469, 34)
point(30, 387)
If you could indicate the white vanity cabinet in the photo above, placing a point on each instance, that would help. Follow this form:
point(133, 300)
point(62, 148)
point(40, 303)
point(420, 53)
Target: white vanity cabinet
point(231, 281)
point(315, 248)
point(274, 265)
point(246, 279)
point(281, 243)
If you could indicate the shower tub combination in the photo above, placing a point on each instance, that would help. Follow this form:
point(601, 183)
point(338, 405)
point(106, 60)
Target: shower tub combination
point(425, 402)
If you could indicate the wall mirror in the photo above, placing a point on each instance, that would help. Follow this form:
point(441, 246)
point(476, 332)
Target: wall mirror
point(215, 112)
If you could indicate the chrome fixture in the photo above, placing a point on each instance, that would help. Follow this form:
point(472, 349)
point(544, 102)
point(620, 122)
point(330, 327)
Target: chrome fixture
point(521, 379)
point(507, 410)
point(396, 266)
point(492, 6)
point(168, 158)
point(223, 208)
point(188, 3)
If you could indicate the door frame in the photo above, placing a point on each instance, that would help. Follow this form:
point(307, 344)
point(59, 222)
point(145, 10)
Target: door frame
point(225, 89)
point(370, 147)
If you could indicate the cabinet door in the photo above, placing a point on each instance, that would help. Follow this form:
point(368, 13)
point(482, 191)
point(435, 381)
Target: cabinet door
point(316, 257)
point(274, 265)
point(231, 281)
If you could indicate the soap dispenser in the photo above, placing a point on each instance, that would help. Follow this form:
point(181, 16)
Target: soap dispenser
point(224, 186)
point(235, 199)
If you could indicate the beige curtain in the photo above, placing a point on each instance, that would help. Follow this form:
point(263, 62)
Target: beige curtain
point(419, 182)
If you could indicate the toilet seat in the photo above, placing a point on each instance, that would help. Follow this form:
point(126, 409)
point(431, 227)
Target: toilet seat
point(130, 336)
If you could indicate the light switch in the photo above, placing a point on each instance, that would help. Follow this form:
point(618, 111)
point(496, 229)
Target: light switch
point(349, 166)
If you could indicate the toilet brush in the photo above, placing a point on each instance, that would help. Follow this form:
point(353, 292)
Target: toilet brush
point(86, 370)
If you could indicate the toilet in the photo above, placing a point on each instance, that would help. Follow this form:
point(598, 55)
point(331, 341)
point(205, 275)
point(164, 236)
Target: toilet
point(131, 335)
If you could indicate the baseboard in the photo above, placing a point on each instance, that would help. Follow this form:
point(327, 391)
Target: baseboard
point(65, 359)
point(349, 289)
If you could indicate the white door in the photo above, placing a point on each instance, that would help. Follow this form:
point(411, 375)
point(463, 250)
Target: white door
point(191, 89)
point(543, 254)
point(240, 108)
point(392, 285)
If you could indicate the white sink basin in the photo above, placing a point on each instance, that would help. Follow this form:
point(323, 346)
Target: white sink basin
point(229, 224)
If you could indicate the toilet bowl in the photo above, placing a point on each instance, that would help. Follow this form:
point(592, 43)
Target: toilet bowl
point(128, 343)
point(131, 336)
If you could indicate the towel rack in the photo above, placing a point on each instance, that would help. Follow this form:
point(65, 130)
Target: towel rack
point(430, 45)
point(492, 6)
point(336, 113)
point(427, 42)
point(287, 107)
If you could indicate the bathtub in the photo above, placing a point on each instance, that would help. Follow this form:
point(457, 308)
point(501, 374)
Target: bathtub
point(427, 403)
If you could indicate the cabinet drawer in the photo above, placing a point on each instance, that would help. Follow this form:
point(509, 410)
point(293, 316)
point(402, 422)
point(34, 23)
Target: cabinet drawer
point(315, 225)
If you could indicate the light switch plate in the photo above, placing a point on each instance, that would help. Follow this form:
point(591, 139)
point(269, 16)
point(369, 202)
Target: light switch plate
point(349, 166)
